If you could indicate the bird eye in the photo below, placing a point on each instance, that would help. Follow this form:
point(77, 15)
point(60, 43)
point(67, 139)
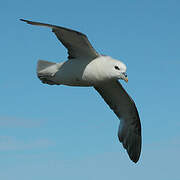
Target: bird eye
point(116, 67)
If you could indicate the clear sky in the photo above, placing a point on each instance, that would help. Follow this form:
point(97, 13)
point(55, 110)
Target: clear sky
point(59, 132)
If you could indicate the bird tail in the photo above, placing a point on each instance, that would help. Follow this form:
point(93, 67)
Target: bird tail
point(46, 70)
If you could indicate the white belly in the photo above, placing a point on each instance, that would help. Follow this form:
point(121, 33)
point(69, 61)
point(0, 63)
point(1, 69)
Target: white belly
point(71, 73)
point(81, 72)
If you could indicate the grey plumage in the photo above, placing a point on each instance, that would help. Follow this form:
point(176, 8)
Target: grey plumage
point(124, 107)
point(85, 67)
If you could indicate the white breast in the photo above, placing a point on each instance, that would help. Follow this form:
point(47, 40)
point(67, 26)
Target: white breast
point(78, 72)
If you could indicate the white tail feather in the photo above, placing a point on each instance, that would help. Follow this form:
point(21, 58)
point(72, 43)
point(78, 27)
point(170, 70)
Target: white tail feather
point(46, 70)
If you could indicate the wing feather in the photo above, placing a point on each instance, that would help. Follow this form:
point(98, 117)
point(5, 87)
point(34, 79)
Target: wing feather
point(76, 42)
point(121, 103)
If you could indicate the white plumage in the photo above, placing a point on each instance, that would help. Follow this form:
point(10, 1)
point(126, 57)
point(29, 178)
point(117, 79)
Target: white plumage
point(85, 67)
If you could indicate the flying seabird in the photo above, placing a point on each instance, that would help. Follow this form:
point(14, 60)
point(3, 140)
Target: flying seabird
point(86, 67)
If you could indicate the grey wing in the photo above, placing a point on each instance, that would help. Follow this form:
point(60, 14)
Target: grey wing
point(124, 107)
point(76, 42)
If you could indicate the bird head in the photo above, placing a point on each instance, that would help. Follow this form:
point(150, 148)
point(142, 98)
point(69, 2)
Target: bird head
point(107, 68)
point(118, 70)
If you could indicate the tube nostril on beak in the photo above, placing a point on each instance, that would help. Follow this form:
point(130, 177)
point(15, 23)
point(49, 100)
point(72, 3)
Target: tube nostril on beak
point(125, 75)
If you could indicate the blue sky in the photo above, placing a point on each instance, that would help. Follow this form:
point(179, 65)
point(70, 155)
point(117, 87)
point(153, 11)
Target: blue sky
point(59, 132)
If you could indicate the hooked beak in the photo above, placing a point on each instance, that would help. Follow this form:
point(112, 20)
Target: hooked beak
point(125, 77)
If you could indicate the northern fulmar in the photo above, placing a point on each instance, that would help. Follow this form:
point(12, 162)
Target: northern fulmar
point(86, 67)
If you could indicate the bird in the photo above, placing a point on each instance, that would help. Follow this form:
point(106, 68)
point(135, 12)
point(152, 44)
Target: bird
point(87, 68)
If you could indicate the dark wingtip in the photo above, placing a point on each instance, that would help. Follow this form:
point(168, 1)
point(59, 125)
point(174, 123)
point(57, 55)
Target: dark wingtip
point(133, 152)
point(134, 156)
point(135, 160)
point(23, 20)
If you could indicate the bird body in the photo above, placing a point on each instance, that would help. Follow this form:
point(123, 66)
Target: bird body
point(77, 72)
point(86, 67)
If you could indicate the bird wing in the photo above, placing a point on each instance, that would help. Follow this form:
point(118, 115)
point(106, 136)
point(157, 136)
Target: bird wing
point(76, 42)
point(121, 103)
